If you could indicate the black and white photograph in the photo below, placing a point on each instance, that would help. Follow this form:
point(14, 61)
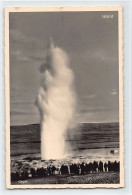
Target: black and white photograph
point(64, 97)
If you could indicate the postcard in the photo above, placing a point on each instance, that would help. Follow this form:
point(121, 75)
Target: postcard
point(64, 97)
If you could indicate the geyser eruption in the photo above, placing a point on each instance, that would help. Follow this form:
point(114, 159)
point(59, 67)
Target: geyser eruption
point(56, 102)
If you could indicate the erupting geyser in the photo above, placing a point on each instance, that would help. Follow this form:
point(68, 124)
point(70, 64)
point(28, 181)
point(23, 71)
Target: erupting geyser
point(56, 102)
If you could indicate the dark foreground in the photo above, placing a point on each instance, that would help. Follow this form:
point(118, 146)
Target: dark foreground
point(92, 178)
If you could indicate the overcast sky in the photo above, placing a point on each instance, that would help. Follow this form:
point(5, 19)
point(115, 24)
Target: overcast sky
point(92, 45)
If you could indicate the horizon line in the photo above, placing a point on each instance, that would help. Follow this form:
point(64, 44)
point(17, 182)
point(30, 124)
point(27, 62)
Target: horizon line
point(75, 122)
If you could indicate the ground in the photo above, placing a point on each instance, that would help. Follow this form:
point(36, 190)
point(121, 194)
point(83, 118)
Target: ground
point(92, 178)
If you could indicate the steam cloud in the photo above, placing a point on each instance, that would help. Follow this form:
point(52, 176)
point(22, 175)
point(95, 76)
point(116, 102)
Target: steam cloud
point(56, 102)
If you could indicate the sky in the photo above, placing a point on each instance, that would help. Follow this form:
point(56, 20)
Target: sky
point(91, 43)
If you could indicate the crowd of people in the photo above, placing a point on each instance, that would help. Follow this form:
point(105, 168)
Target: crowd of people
point(73, 169)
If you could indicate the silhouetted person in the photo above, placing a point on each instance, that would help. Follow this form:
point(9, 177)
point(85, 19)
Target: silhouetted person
point(64, 169)
point(82, 168)
point(100, 166)
point(32, 171)
point(105, 167)
point(58, 169)
point(95, 166)
point(90, 167)
point(116, 167)
point(53, 168)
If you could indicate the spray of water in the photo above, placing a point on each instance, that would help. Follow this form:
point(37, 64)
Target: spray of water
point(56, 102)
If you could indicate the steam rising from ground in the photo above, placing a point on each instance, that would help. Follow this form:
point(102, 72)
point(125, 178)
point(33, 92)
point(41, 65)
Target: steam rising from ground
point(56, 102)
